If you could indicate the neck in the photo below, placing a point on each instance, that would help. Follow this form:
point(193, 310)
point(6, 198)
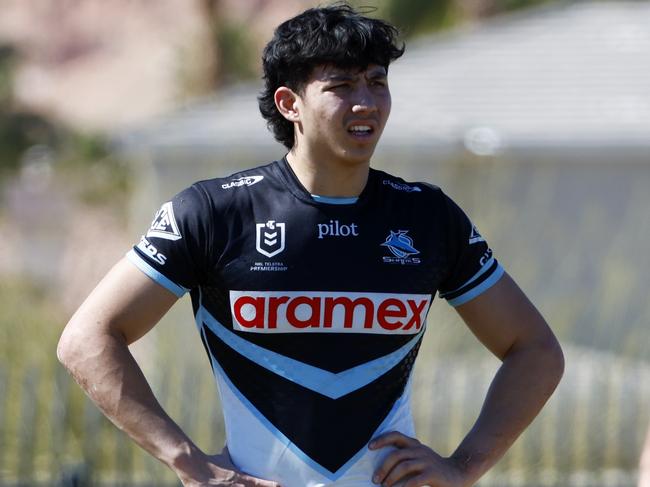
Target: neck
point(329, 176)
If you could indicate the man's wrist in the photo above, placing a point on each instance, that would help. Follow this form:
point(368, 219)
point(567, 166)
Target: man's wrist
point(186, 458)
point(471, 465)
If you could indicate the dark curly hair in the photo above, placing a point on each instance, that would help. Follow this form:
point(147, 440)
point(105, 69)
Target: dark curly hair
point(337, 35)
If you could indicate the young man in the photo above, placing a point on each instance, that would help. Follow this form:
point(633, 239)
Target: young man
point(311, 278)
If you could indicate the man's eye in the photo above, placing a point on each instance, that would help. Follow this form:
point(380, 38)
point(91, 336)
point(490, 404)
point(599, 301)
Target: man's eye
point(338, 87)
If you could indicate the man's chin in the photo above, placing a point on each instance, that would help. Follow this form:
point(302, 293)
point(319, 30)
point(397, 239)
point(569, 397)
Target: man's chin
point(356, 160)
point(358, 155)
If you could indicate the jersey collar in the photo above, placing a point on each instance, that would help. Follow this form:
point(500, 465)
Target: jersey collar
point(294, 185)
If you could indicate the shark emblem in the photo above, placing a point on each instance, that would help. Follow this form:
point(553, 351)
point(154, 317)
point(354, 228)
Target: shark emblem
point(400, 244)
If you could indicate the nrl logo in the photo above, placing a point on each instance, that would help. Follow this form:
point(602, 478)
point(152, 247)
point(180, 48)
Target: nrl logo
point(269, 238)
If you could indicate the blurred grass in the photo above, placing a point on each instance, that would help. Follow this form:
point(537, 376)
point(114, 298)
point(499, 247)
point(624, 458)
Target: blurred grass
point(30, 324)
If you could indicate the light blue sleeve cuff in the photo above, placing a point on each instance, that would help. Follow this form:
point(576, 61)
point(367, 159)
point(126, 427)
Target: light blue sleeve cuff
point(480, 289)
point(156, 276)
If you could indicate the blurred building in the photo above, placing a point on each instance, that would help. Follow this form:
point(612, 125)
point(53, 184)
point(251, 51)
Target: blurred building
point(553, 83)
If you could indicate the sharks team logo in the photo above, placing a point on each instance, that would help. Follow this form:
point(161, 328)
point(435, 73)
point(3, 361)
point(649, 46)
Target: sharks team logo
point(269, 238)
point(401, 246)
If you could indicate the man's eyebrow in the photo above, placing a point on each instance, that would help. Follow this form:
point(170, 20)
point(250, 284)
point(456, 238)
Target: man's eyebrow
point(341, 77)
point(377, 74)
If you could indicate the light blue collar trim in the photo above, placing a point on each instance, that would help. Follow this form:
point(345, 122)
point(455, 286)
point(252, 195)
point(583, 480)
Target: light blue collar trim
point(331, 200)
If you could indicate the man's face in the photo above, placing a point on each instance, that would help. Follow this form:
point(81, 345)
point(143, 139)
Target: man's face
point(342, 112)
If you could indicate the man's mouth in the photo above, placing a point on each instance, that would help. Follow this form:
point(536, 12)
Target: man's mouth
point(361, 130)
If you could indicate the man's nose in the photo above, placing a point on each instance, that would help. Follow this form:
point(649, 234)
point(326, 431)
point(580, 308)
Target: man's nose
point(364, 102)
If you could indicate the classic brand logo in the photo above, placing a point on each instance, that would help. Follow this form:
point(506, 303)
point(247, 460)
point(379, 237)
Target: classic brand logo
point(401, 186)
point(269, 238)
point(164, 224)
point(328, 312)
point(245, 181)
point(401, 246)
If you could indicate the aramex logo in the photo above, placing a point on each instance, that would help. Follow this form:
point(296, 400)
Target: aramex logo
point(323, 312)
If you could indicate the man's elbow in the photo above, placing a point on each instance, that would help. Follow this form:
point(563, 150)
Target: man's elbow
point(543, 354)
point(66, 349)
point(551, 357)
point(75, 343)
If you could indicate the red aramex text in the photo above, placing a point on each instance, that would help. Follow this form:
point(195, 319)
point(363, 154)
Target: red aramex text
point(323, 312)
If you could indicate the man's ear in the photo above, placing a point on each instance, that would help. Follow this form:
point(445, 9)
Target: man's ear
point(286, 102)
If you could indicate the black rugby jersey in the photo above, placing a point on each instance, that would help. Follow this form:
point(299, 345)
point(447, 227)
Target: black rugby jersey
point(311, 312)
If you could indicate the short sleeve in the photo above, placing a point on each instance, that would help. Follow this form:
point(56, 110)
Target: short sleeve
point(175, 249)
point(472, 267)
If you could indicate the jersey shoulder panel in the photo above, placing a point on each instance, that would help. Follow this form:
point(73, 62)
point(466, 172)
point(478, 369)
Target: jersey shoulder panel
point(188, 232)
point(472, 266)
point(175, 249)
point(395, 184)
point(223, 189)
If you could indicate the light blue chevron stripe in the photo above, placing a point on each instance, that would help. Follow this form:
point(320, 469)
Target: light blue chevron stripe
point(220, 374)
point(318, 380)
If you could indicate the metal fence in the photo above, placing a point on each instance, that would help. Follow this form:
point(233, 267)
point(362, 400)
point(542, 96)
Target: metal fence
point(589, 434)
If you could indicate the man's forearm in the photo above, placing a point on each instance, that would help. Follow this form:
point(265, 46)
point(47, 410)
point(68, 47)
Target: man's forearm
point(108, 373)
point(521, 387)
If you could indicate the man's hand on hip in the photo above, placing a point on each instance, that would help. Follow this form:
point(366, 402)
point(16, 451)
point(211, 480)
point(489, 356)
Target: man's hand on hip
point(218, 470)
point(413, 464)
